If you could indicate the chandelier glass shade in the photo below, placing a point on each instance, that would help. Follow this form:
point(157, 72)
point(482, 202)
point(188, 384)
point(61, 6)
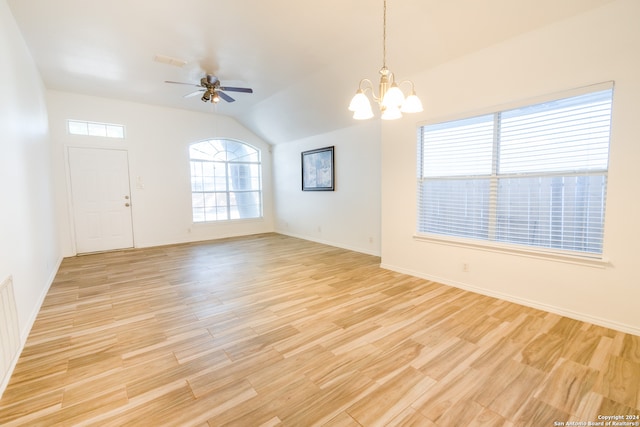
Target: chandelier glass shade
point(390, 98)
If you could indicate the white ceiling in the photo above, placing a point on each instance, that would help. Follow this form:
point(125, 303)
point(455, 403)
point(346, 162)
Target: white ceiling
point(303, 59)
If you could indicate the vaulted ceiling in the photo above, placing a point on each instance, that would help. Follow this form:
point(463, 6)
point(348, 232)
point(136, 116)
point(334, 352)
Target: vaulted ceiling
point(303, 59)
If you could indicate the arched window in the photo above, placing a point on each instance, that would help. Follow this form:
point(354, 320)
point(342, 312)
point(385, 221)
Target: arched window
point(226, 180)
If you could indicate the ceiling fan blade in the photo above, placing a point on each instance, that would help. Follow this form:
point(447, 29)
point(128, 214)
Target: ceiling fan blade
point(225, 96)
point(236, 89)
point(197, 92)
point(181, 83)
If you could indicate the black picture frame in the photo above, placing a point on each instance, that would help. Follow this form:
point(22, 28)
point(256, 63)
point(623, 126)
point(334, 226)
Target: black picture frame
point(318, 172)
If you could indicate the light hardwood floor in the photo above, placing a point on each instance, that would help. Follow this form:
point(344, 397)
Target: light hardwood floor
point(271, 330)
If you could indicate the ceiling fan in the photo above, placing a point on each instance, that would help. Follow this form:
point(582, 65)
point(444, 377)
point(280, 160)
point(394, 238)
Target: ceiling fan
point(211, 89)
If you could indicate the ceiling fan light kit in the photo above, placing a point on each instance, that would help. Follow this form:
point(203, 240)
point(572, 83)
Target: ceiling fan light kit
point(391, 99)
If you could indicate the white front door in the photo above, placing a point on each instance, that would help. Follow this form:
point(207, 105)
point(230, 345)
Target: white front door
point(101, 199)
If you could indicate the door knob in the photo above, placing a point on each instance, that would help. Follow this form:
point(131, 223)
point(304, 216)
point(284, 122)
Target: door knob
point(127, 204)
point(126, 197)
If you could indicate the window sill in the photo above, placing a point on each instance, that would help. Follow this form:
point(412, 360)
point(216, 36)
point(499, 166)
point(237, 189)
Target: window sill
point(547, 255)
point(227, 221)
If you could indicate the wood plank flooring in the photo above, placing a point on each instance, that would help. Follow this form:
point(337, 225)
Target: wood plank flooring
point(271, 330)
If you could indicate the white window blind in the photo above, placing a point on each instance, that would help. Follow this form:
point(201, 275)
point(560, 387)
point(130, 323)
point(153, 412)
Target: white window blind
point(533, 176)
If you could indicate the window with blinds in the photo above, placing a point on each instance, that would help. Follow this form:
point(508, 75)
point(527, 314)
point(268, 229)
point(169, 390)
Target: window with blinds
point(534, 175)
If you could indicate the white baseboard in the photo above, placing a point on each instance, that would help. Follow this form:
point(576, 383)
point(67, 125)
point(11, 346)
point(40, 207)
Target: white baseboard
point(366, 251)
point(607, 323)
point(24, 333)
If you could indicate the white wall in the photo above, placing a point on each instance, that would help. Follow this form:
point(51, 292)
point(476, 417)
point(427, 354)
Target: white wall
point(348, 217)
point(600, 45)
point(157, 140)
point(29, 249)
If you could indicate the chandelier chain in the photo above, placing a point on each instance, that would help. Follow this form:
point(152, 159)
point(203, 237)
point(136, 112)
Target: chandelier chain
point(384, 35)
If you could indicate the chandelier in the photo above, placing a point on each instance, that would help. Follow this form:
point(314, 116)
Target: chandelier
point(391, 100)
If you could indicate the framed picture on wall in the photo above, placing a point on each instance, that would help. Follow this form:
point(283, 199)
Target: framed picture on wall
point(317, 170)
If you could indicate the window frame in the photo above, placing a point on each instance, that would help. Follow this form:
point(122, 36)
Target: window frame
point(539, 252)
point(228, 190)
point(88, 124)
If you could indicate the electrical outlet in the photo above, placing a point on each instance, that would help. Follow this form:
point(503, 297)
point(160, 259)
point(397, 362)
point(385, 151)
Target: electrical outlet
point(465, 267)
